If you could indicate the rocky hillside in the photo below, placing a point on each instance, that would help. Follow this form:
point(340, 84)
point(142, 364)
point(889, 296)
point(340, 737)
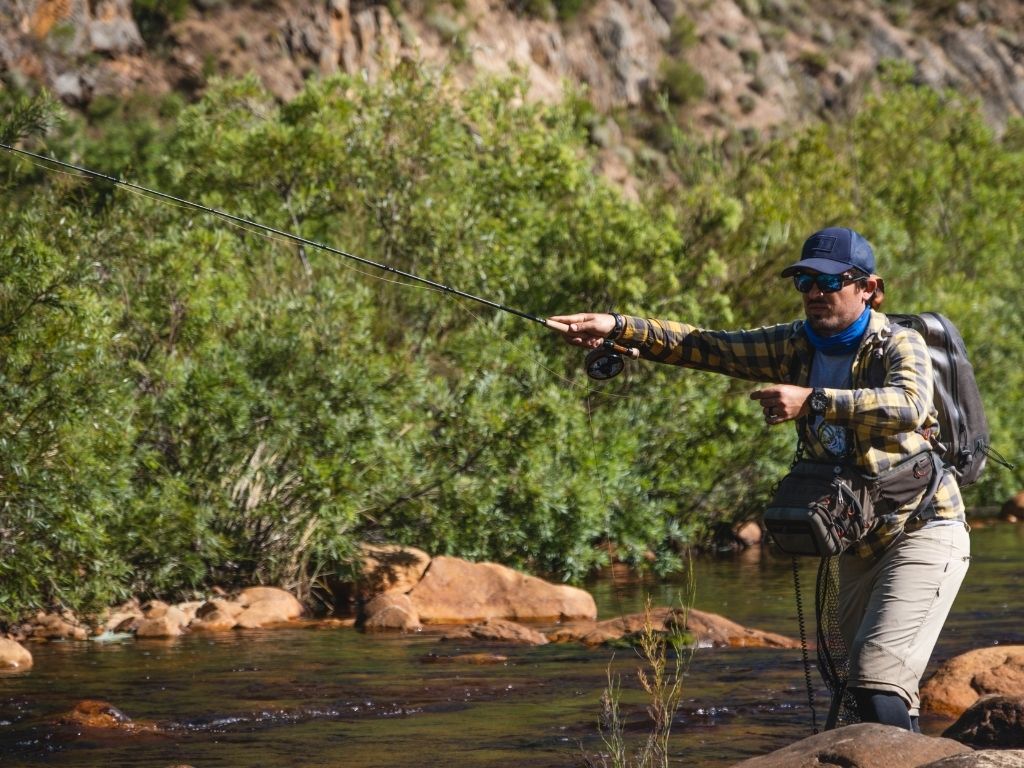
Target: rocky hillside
point(726, 64)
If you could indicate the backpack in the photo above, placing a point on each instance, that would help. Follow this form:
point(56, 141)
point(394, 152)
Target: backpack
point(963, 428)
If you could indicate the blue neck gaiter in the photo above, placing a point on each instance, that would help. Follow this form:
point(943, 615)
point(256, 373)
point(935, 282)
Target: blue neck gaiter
point(844, 342)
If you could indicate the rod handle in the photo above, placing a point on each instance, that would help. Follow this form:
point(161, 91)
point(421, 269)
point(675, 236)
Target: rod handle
point(631, 352)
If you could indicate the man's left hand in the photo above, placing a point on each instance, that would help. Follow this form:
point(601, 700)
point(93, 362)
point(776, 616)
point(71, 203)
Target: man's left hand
point(782, 402)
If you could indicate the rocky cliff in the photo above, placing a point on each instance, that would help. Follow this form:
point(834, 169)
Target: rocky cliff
point(728, 64)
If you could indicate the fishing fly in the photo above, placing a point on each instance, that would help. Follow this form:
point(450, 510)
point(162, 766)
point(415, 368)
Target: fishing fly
point(604, 362)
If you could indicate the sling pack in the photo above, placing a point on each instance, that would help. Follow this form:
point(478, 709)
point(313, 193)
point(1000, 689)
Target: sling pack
point(963, 428)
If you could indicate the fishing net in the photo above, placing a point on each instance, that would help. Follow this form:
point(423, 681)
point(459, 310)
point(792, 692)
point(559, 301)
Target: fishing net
point(833, 656)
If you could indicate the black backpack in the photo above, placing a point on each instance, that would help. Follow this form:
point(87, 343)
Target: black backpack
point(963, 428)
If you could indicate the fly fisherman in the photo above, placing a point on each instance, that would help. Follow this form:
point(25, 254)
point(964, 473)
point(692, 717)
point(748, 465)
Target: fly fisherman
point(897, 584)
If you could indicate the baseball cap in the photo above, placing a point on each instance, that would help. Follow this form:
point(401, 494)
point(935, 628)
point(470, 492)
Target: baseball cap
point(834, 250)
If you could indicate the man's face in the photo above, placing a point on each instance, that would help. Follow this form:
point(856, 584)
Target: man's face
point(830, 313)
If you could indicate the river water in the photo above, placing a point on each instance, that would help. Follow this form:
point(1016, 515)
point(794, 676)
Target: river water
point(318, 697)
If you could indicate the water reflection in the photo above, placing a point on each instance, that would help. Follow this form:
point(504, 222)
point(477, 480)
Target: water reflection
point(329, 697)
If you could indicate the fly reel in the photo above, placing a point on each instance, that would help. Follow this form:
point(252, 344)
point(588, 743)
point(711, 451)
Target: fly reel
point(608, 360)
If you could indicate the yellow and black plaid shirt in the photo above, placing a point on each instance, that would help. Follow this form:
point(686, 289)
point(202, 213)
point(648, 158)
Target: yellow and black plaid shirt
point(888, 423)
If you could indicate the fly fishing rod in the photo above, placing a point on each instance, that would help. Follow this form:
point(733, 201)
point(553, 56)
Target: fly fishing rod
point(604, 362)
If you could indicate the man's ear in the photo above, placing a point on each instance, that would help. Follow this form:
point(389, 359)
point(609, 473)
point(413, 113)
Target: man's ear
point(876, 287)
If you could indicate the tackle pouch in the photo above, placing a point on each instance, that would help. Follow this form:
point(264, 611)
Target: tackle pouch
point(821, 508)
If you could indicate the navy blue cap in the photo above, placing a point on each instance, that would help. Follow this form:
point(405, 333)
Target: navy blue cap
point(834, 250)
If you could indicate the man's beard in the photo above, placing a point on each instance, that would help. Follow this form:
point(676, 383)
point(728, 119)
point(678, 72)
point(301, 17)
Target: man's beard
point(826, 326)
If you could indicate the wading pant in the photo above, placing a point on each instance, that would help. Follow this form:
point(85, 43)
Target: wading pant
point(892, 607)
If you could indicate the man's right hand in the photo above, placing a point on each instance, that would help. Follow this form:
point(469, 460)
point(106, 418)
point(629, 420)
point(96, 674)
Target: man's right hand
point(586, 329)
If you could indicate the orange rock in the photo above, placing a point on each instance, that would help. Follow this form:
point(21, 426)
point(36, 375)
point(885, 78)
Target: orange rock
point(958, 683)
point(13, 655)
point(1013, 509)
point(707, 628)
point(163, 626)
point(500, 630)
point(391, 610)
point(93, 713)
point(213, 621)
point(391, 568)
point(455, 591)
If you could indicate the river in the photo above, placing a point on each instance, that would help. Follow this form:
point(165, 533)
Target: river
point(313, 698)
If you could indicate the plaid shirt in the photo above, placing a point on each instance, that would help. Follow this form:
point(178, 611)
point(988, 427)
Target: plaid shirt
point(888, 423)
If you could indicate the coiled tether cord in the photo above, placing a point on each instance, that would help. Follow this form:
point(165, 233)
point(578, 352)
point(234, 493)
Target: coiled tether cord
point(801, 622)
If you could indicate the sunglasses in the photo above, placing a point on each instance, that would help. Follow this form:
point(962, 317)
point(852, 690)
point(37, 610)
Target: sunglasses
point(825, 283)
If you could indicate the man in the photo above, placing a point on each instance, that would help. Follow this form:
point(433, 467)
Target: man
point(896, 585)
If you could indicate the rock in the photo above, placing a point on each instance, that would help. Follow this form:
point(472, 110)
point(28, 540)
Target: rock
point(455, 591)
point(53, 626)
point(992, 721)
point(113, 30)
point(123, 621)
point(989, 758)
point(391, 610)
point(13, 655)
point(749, 534)
point(266, 605)
point(154, 609)
point(167, 625)
point(707, 628)
point(391, 567)
point(478, 659)
point(219, 605)
point(215, 620)
point(499, 630)
point(1013, 509)
point(189, 609)
point(958, 683)
point(865, 745)
point(93, 713)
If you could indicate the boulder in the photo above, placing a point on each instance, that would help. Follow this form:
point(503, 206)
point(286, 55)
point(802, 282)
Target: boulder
point(266, 605)
point(864, 745)
point(391, 567)
point(959, 682)
point(988, 758)
point(499, 630)
point(991, 722)
point(707, 629)
point(454, 591)
point(391, 610)
point(13, 655)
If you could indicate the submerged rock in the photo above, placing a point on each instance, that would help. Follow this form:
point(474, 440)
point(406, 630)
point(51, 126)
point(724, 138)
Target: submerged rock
point(706, 628)
point(499, 630)
point(102, 715)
